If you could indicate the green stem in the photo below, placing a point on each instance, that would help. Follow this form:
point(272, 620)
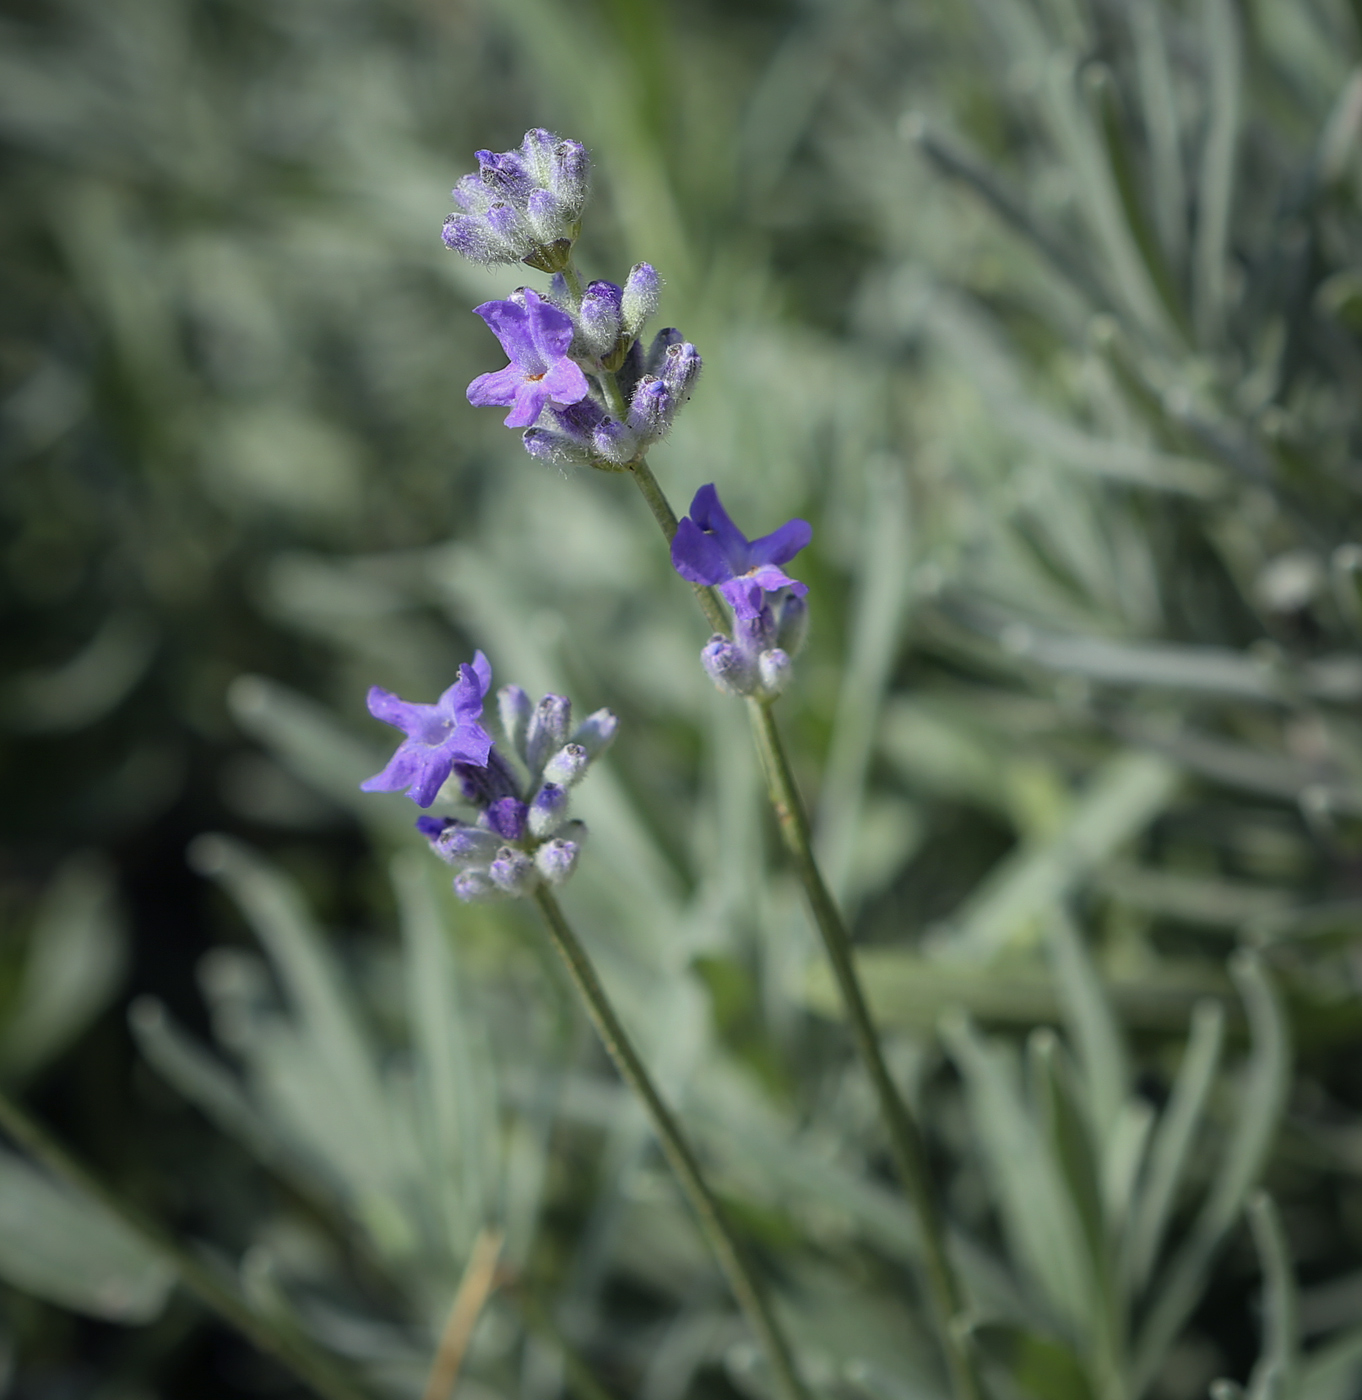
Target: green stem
point(905, 1137)
point(741, 1279)
point(573, 281)
point(666, 519)
point(310, 1366)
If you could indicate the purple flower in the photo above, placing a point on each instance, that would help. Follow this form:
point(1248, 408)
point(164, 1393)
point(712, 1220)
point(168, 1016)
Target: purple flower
point(536, 337)
point(709, 548)
point(438, 735)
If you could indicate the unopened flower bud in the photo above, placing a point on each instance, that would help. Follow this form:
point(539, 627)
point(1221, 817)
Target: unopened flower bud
point(650, 409)
point(642, 291)
point(506, 817)
point(793, 628)
point(548, 730)
point(461, 844)
point(471, 237)
point(549, 810)
point(555, 448)
point(614, 442)
point(476, 887)
point(570, 171)
point(655, 360)
point(774, 669)
point(727, 667)
point(514, 708)
point(556, 860)
point(597, 732)
point(545, 214)
point(599, 318)
point(513, 871)
point(568, 766)
point(681, 369)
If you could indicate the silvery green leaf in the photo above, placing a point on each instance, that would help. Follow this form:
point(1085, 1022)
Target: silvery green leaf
point(66, 1248)
point(76, 954)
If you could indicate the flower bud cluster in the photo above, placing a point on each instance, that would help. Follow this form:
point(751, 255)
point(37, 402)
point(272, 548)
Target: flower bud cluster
point(580, 381)
point(758, 660)
point(523, 835)
point(522, 206)
point(652, 384)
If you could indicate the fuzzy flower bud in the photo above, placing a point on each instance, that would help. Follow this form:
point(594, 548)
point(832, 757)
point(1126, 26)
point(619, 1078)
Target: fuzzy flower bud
point(793, 628)
point(650, 409)
point(642, 291)
point(547, 731)
point(514, 709)
point(656, 359)
point(597, 732)
point(614, 442)
point(568, 766)
point(548, 811)
point(680, 370)
point(476, 887)
point(774, 669)
point(555, 860)
point(513, 871)
point(598, 321)
point(727, 666)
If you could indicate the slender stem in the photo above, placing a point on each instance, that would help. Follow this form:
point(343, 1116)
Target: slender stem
point(311, 1366)
point(573, 281)
point(666, 519)
point(905, 1137)
point(741, 1279)
point(479, 1277)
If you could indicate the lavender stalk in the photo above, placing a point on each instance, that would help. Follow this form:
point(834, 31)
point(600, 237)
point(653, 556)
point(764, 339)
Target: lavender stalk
point(522, 843)
point(584, 388)
point(680, 1156)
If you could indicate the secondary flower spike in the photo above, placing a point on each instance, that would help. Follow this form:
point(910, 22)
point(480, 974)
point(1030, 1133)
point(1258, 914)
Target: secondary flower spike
point(535, 337)
point(709, 548)
point(438, 736)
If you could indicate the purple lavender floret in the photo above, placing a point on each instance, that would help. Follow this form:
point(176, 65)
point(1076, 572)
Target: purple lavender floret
point(438, 735)
point(710, 549)
point(522, 206)
point(507, 817)
point(536, 338)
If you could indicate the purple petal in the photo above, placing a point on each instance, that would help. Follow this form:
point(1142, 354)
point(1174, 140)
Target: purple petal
point(422, 722)
point(770, 578)
point(509, 323)
point(709, 514)
point(529, 404)
point(550, 329)
point(482, 669)
point(497, 389)
point(697, 556)
point(781, 545)
point(469, 743)
point(744, 597)
point(416, 767)
point(565, 382)
point(433, 771)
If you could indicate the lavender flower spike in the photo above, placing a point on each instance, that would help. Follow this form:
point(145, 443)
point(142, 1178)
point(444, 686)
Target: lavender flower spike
point(535, 337)
point(709, 548)
point(438, 735)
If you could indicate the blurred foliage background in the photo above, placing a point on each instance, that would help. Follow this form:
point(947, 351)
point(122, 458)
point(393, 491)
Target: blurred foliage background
point(1047, 314)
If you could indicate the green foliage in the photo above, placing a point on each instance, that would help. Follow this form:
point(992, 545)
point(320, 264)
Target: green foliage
point(1046, 314)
